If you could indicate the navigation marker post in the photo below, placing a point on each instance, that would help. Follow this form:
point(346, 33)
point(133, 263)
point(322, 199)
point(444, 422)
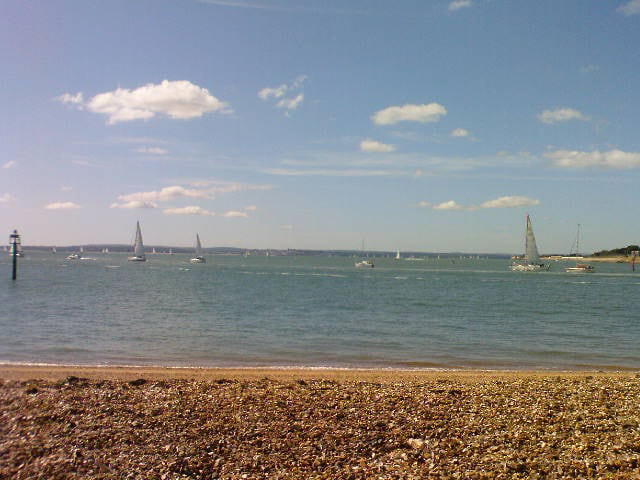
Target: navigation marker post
point(14, 241)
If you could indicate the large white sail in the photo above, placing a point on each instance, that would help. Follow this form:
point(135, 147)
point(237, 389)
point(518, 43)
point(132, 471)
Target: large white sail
point(531, 251)
point(198, 246)
point(138, 247)
point(198, 258)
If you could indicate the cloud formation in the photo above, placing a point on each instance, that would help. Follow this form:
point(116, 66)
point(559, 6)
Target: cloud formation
point(630, 8)
point(369, 145)
point(458, 4)
point(179, 99)
point(561, 115)
point(501, 202)
point(510, 202)
point(152, 150)
point(450, 205)
point(429, 112)
point(190, 210)
point(10, 164)
point(460, 132)
point(6, 198)
point(280, 92)
point(62, 206)
point(616, 159)
point(235, 214)
point(152, 198)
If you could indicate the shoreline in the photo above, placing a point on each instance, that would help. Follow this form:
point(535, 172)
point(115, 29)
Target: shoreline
point(22, 372)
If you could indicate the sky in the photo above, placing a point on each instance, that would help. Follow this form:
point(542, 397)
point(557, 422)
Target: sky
point(419, 125)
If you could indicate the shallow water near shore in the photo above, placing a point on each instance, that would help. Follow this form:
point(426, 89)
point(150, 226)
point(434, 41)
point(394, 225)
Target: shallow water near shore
point(316, 311)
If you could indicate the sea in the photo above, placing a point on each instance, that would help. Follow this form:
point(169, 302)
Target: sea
point(316, 311)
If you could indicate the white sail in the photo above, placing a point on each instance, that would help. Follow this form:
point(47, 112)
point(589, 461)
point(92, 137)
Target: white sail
point(138, 247)
point(397, 254)
point(198, 258)
point(198, 246)
point(531, 251)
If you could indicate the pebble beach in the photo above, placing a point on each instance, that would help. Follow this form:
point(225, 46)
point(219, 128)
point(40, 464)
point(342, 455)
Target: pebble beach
point(155, 423)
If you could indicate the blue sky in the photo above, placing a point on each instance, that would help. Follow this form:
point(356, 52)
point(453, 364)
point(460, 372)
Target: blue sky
point(418, 125)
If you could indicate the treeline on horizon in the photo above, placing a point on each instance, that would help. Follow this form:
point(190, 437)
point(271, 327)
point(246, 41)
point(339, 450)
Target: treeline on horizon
point(624, 251)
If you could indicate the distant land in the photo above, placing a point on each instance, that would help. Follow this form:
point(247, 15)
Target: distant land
point(164, 249)
point(622, 254)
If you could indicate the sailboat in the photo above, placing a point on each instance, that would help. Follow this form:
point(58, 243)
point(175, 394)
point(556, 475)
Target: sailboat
point(532, 261)
point(398, 254)
point(138, 247)
point(198, 258)
point(579, 267)
point(364, 263)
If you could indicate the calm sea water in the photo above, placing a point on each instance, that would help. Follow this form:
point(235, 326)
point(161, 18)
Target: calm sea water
point(311, 311)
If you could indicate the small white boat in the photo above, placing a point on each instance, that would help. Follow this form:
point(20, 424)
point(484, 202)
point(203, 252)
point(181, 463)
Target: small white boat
point(580, 268)
point(532, 261)
point(138, 247)
point(397, 254)
point(74, 256)
point(198, 257)
point(365, 264)
point(53, 250)
point(19, 252)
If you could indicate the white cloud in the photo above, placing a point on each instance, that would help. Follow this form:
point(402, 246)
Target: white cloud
point(328, 172)
point(611, 159)
point(275, 92)
point(501, 202)
point(458, 4)
point(460, 132)
point(10, 164)
point(630, 8)
point(76, 99)
point(6, 198)
point(251, 208)
point(163, 195)
point(291, 103)
point(369, 145)
point(561, 115)
point(589, 68)
point(179, 99)
point(510, 202)
point(450, 205)
point(190, 210)
point(425, 113)
point(134, 204)
point(62, 206)
point(281, 91)
point(235, 213)
point(152, 150)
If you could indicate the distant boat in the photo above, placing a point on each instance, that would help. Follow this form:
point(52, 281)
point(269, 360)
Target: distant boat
point(532, 261)
point(74, 256)
point(579, 267)
point(153, 250)
point(397, 254)
point(198, 257)
point(53, 250)
point(138, 247)
point(170, 252)
point(364, 263)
